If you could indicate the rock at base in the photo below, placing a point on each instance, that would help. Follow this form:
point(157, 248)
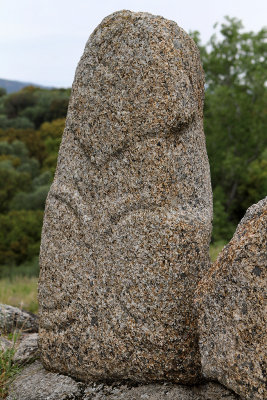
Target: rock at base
point(12, 318)
point(35, 383)
point(26, 349)
point(232, 310)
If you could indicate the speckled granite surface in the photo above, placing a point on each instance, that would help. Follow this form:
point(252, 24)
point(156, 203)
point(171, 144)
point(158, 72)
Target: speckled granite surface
point(128, 217)
point(232, 305)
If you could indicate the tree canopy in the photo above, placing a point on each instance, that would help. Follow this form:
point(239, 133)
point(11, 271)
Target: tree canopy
point(235, 119)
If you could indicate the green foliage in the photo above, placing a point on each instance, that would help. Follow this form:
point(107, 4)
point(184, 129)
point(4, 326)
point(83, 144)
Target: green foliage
point(27, 163)
point(30, 201)
point(29, 268)
point(8, 369)
point(2, 91)
point(235, 120)
point(215, 249)
point(15, 103)
point(223, 229)
point(17, 123)
point(36, 197)
point(31, 138)
point(52, 130)
point(254, 185)
point(17, 170)
point(43, 179)
point(11, 181)
point(20, 236)
point(51, 133)
point(20, 290)
point(31, 106)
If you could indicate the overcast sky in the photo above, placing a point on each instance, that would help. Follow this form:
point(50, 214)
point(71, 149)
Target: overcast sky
point(41, 41)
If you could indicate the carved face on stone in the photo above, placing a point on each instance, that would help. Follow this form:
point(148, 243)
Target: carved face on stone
point(128, 217)
point(150, 80)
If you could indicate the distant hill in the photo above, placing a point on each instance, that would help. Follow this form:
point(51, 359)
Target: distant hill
point(14, 86)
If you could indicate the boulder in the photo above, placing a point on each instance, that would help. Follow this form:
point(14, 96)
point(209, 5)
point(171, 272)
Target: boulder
point(127, 223)
point(12, 318)
point(35, 383)
point(231, 300)
point(26, 349)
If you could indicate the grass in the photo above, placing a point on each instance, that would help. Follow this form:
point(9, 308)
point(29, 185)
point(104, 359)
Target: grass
point(215, 249)
point(18, 285)
point(19, 291)
point(29, 269)
point(18, 288)
point(8, 369)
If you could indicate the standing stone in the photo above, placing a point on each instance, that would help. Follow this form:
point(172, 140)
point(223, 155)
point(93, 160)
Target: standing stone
point(232, 306)
point(128, 217)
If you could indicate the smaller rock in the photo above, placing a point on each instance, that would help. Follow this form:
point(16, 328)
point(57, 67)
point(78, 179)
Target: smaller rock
point(27, 349)
point(35, 383)
point(12, 318)
point(231, 302)
point(169, 391)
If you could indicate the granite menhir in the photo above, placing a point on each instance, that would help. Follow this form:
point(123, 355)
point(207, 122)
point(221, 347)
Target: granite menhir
point(232, 310)
point(128, 217)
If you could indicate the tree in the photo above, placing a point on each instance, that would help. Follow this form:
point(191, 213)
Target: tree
point(35, 198)
point(30, 137)
point(11, 181)
point(2, 91)
point(53, 130)
point(16, 102)
point(235, 113)
point(49, 105)
point(51, 133)
point(254, 186)
point(20, 236)
point(31, 106)
point(17, 170)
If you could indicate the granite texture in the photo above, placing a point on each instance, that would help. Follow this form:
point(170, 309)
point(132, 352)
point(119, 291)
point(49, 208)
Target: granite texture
point(232, 310)
point(35, 383)
point(128, 218)
point(26, 349)
point(12, 318)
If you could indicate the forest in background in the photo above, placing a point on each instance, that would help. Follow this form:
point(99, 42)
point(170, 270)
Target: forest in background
point(32, 122)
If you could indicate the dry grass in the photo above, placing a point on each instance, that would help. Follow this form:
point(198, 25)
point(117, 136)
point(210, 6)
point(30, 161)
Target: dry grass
point(19, 292)
point(8, 369)
point(215, 249)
